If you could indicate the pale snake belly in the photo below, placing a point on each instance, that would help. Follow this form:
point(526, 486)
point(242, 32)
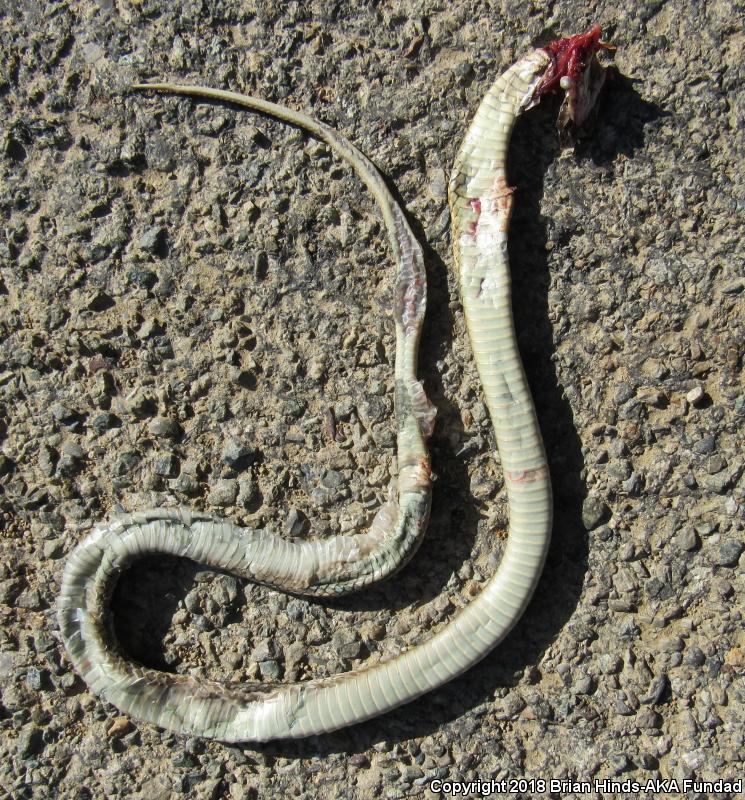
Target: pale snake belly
point(480, 203)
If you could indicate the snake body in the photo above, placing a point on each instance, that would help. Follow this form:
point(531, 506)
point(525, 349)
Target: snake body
point(480, 202)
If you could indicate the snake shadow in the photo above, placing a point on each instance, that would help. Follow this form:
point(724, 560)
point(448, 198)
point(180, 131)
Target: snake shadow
point(621, 128)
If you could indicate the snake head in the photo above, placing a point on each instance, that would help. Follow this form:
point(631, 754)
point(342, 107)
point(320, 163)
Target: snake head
point(573, 66)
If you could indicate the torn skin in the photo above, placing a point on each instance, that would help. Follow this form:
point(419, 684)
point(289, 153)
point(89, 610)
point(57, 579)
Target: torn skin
point(527, 475)
point(496, 205)
point(410, 299)
point(475, 204)
point(574, 67)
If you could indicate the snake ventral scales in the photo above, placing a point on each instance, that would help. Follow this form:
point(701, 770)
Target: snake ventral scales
point(480, 203)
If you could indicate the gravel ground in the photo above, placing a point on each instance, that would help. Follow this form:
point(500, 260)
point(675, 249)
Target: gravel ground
point(187, 290)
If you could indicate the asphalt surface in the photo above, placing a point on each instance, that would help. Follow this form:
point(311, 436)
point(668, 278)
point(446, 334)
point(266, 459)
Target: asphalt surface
point(187, 290)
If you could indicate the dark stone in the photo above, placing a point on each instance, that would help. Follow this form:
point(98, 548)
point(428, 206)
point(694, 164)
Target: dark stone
point(166, 427)
point(154, 241)
point(37, 679)
point(30, 742)
point(594, 512)
point(104, 422)
point(728, 554)
point(705, 446)
point(296, 523)
point(126, 462)
point(238, 456)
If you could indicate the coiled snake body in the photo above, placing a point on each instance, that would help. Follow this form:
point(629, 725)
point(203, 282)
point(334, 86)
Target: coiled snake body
point(480, 201)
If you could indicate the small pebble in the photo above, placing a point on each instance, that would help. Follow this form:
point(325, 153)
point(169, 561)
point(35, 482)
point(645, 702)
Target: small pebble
point(30, 742)
point(270, 670)
point(296, 523)
point(223, 493)
point(670, 644)
point(687, 539)
point(152, 240)
point(696, 396)
point(728, 553)
point(119, 727)
point(705, 445)
point(166, 427)
point(238, 456)
point(594, 512)
point(346, 644)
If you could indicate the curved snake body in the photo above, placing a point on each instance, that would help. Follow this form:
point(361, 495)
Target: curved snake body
point(480, 201)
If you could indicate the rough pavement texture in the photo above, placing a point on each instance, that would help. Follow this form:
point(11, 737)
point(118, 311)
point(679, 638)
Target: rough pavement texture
point(187, 289)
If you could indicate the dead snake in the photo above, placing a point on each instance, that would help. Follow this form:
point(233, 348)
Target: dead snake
point(480, 203)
